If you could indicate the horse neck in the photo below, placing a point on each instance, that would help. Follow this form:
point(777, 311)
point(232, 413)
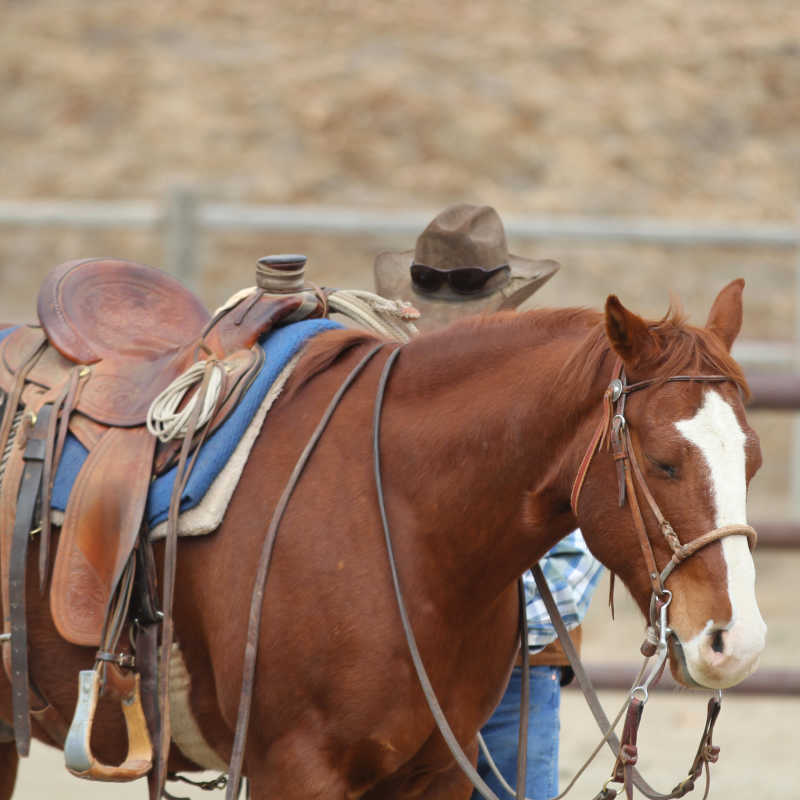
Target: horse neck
point(481, 445)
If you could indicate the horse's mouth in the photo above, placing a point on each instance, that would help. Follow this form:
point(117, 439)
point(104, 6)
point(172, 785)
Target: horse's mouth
point(678, 666)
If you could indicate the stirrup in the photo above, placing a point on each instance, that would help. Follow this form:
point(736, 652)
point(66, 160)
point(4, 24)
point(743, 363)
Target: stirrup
point(78, 755)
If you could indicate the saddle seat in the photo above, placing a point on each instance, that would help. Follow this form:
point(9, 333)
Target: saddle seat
point(132, 324)
point(129, 330)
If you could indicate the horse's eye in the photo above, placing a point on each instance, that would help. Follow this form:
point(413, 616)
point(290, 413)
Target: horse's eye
point(668, 470)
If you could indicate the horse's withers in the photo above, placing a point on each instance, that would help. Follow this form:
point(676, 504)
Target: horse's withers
point(725, 650)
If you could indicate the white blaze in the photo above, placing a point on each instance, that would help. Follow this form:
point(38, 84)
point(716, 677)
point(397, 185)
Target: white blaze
point(716, 432)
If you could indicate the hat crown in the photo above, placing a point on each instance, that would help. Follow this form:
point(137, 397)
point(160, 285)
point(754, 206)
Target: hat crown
point(463, 235)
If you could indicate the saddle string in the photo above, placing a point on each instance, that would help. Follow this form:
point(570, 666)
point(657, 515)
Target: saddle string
point(57, 435)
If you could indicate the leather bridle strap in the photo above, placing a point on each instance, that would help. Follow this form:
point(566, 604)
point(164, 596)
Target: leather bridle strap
point(630, 476)
point(706, 752)
point(260, 581)
point(615, 394)
point(680, 551)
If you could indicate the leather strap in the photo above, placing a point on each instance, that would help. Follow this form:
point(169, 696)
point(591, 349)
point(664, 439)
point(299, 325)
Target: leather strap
point(706, 752)
point(628, 752)
point(27, 502)
point(62, 411)
point(259, 584)
point(433, 703)
point(161, 742)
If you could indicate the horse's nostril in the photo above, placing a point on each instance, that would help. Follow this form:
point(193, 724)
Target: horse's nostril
point(717, 642)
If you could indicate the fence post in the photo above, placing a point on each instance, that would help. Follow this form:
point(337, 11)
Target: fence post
point(181, 230)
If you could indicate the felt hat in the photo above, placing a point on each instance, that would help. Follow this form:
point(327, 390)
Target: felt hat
point(461, 236)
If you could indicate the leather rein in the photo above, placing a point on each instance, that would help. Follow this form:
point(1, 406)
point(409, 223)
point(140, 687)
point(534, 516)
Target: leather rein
point(612, 426)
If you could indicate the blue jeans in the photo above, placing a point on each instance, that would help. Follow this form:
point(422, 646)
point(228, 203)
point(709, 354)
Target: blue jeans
point(501, 733)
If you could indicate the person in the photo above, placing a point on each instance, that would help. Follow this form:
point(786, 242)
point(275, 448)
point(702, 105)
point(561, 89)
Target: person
point(461, 265)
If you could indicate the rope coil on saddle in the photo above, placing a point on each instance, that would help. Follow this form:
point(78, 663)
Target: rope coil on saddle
point(391, 318)
point(166, 420)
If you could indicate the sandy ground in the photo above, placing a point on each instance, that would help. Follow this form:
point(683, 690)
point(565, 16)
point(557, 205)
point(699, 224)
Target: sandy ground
point(757, 735)
point(758, 740)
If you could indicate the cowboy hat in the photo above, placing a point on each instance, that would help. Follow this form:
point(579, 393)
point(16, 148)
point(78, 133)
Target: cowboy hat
point(461, 261)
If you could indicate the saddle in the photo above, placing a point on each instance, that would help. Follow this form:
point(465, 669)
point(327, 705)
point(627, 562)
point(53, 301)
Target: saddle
point(129, 331)
point(112, 335)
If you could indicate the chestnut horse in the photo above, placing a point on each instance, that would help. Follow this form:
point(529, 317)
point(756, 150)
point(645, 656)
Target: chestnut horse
point(485, 425)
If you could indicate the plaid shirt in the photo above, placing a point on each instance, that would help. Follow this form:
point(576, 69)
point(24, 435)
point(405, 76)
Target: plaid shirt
point(572, 573)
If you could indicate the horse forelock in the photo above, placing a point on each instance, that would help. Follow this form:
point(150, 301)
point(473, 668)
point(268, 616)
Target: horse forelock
point(676, 348)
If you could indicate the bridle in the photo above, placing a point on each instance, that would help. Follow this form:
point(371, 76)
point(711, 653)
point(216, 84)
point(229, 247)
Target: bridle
point(614, 427)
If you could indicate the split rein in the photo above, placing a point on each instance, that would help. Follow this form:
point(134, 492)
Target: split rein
point(613, 425)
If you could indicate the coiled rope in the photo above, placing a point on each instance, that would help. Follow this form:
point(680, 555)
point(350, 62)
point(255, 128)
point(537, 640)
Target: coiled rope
point(166, 421)
point(392, 319)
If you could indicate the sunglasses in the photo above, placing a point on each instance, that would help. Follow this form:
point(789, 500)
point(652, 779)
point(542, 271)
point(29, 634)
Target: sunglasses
point(463, 280)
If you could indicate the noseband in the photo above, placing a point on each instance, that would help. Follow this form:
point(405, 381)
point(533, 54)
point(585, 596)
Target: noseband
point(615, 428)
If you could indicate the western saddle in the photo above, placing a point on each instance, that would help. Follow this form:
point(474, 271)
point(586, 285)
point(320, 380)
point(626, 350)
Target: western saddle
point(112, 335)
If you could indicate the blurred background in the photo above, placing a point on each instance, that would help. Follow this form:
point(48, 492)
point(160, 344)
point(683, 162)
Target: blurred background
point(651, 147)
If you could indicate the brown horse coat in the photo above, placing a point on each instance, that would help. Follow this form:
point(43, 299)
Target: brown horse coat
point(484, 427)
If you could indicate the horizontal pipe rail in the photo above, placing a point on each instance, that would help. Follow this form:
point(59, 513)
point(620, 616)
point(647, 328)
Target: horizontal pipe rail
point(780, 535)
point(765, 681)
point(97, 214)
point(330, 219)
point(778, 392)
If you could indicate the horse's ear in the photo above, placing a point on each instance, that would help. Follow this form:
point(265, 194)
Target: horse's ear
point(627, 332)
point(725, 317)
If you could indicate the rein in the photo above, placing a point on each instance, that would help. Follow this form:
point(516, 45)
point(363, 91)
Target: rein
point(612, 426)
point(259, 584)
point(430, 695)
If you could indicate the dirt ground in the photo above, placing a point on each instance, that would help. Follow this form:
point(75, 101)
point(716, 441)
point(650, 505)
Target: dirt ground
point(757, 735)
point(662, 108)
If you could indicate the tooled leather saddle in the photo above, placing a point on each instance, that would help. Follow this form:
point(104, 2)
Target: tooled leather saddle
point(112, 335)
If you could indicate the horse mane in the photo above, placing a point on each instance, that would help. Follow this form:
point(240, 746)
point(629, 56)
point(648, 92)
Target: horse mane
point(322, 351)
point(679, 348)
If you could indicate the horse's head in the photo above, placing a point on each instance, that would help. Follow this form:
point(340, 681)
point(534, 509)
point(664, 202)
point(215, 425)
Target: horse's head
point(675, 527)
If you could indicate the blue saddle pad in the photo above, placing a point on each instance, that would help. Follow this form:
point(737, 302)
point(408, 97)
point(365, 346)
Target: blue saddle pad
point(279, 346)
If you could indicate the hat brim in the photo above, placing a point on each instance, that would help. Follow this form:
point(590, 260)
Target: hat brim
point(393, 281)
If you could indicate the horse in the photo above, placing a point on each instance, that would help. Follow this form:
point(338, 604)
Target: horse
point(485, 426)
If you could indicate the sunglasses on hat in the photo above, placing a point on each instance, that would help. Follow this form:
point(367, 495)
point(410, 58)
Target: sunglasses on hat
point(463, 280)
